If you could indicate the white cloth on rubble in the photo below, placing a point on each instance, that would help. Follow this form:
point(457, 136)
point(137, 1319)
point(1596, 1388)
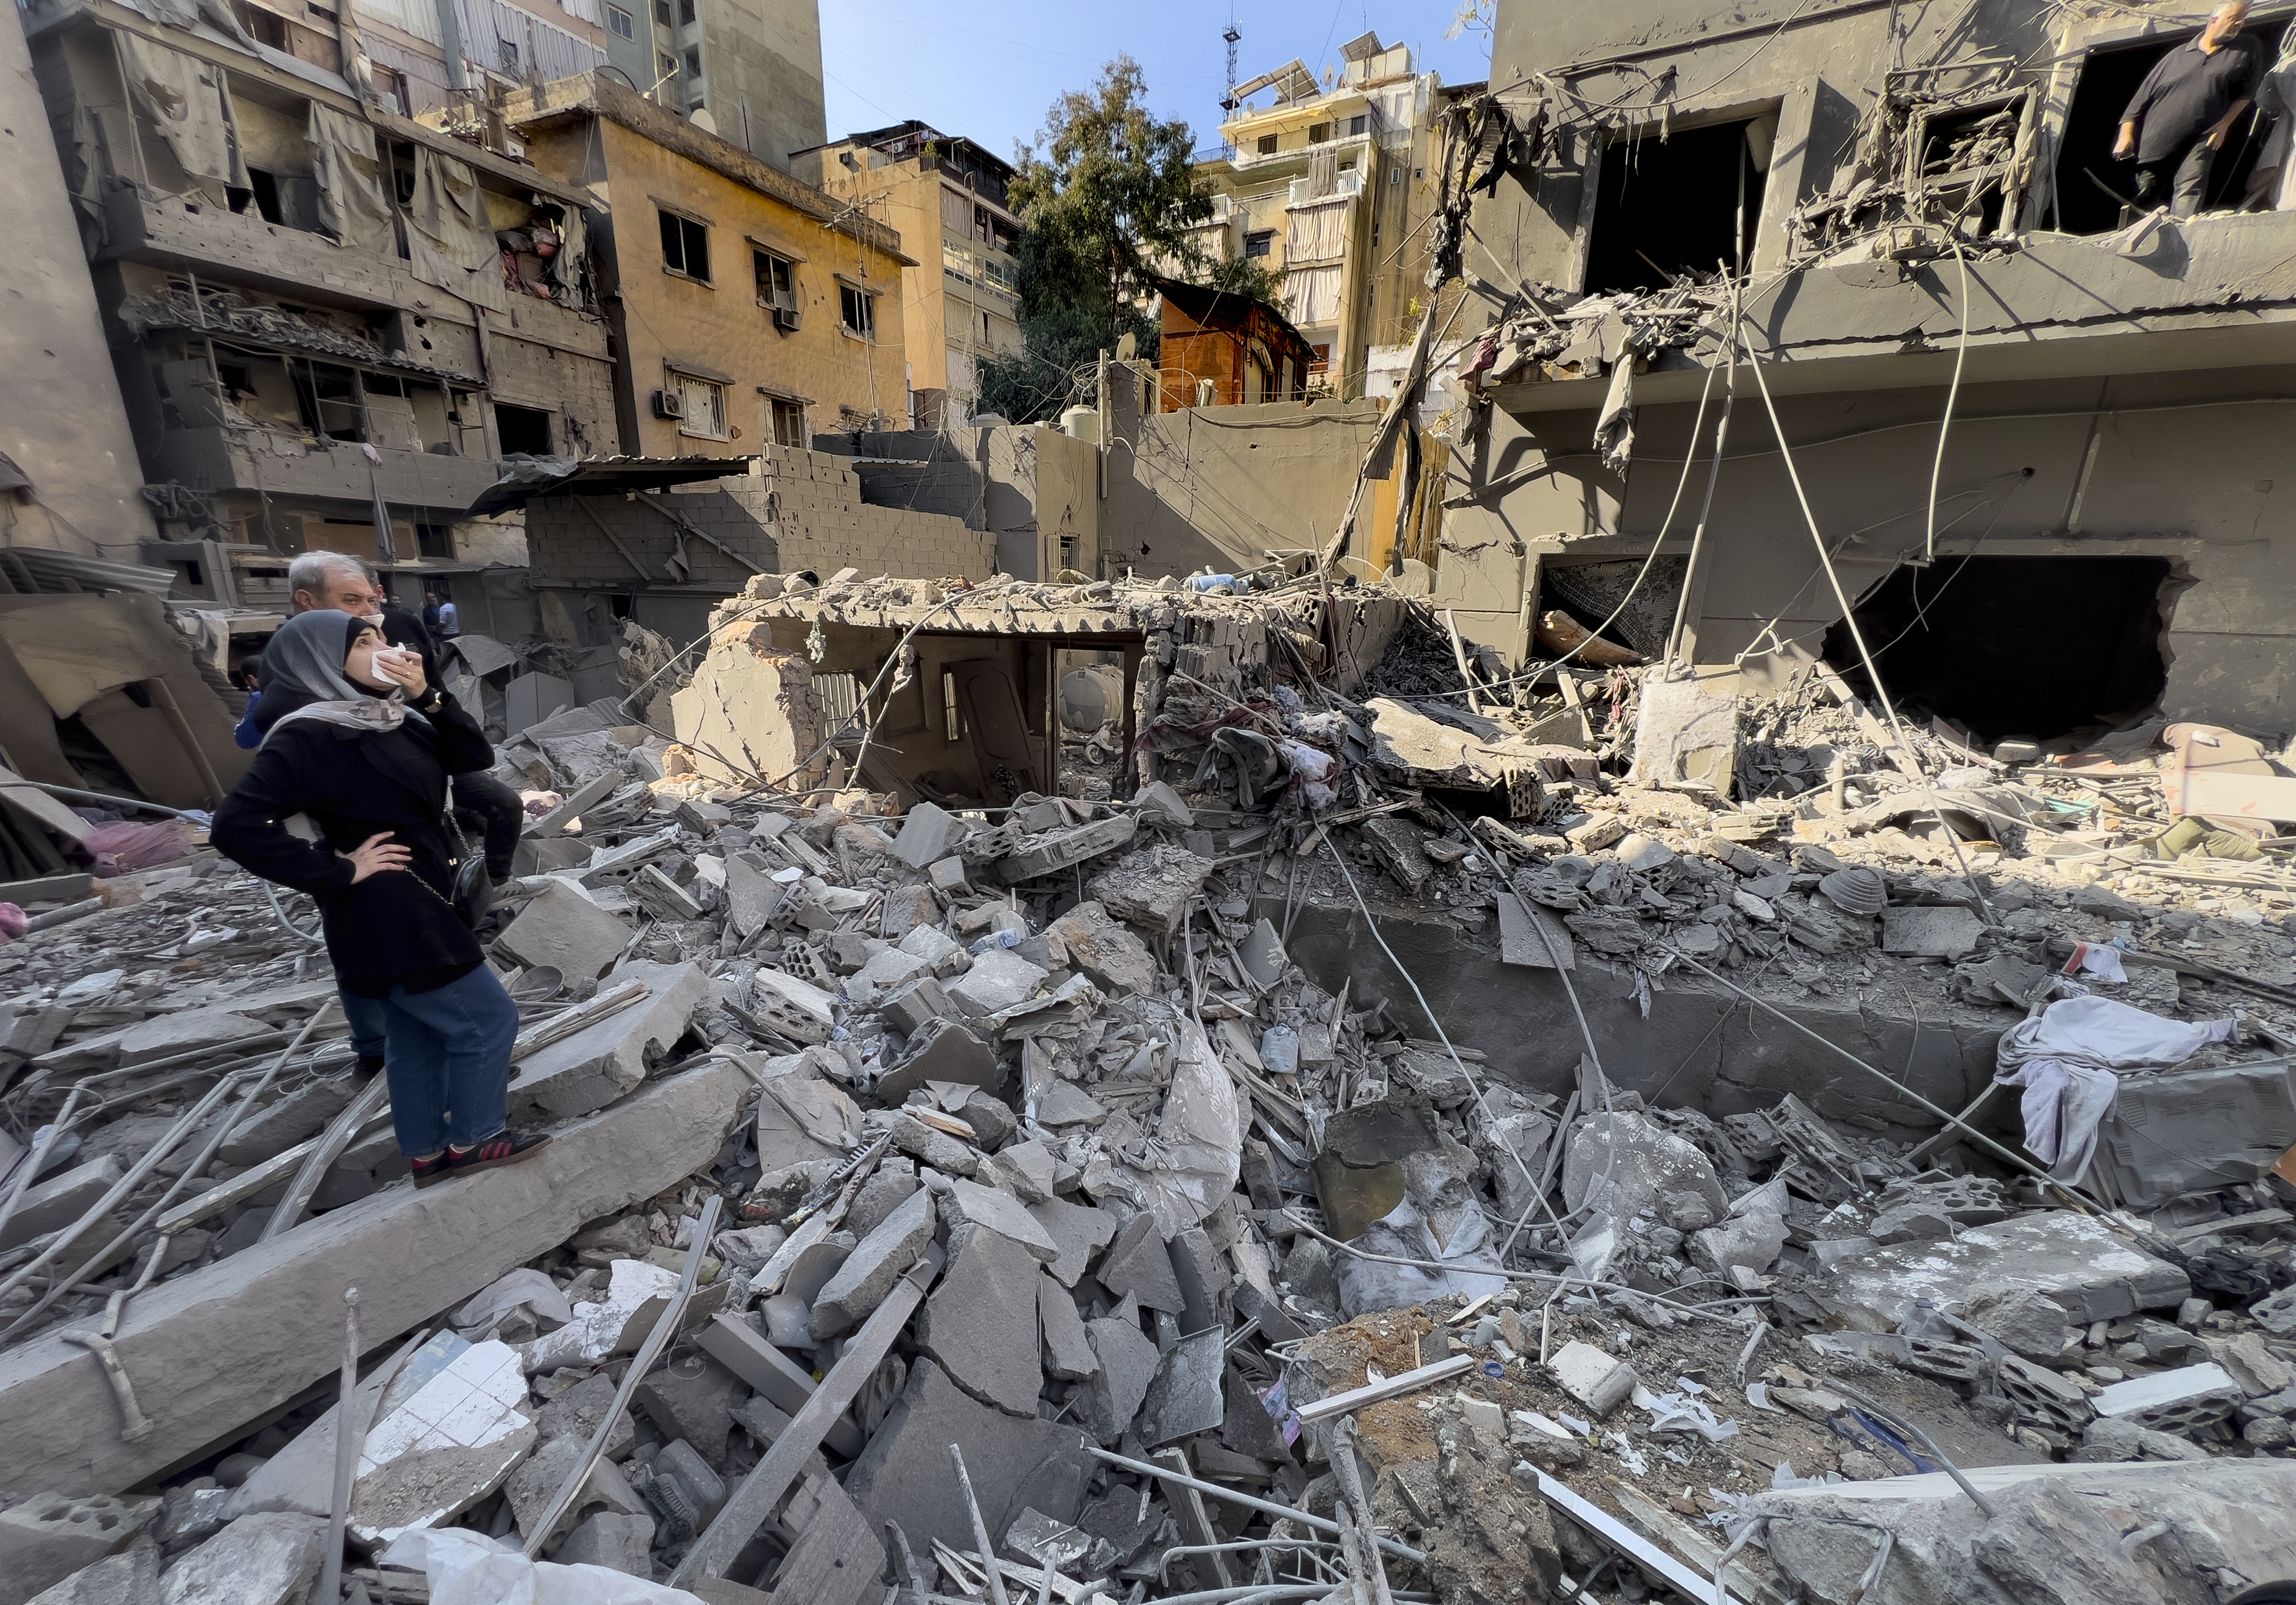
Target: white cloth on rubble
point(463, 1568)
point(2067, 1058)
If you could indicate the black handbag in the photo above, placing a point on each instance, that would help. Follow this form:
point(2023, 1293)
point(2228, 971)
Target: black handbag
point(474, 890)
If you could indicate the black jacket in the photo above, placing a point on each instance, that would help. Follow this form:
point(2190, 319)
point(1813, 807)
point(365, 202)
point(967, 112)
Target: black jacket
point(395, 925)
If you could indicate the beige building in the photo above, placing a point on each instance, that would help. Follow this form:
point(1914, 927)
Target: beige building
point(1329, 186)
point(945, 199)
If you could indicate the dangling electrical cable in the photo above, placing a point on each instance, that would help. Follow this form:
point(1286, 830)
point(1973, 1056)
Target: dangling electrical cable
point(1937, 467)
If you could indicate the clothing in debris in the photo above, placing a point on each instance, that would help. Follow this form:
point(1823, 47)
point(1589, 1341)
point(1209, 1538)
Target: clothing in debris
point(2067, 1058)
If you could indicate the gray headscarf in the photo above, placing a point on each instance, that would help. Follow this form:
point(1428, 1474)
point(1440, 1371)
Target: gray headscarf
point(303, 666)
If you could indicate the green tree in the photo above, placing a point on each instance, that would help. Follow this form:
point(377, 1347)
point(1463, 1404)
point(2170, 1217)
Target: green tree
point(1106, 198)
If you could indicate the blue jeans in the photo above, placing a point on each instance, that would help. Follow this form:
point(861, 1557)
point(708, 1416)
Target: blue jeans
point(449, 1060)
point(366, 1016)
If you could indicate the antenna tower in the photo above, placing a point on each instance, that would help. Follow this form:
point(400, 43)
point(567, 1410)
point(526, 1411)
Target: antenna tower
point(1228, 103)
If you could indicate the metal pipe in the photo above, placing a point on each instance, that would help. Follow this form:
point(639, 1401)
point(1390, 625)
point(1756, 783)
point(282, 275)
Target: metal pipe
point(1401, 1551)
point(348, 1434)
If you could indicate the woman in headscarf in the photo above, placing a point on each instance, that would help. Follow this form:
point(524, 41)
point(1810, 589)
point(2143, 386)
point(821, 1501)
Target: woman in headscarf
point(360, 744)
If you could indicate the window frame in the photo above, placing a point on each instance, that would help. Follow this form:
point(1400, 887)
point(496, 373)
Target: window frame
point(777, 408)
point(847, 296)
point(1269, 144)
point(1259, 243)
point(686, 227)
point(780, 298)
point(621, 24)
point(686, 385)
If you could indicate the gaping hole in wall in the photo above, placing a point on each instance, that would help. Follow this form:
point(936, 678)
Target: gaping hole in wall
point(1589, 593)
point(523, 430)
point(2092, 186)
point(2037, 647)
point(1089, 701)
point(1667, 207)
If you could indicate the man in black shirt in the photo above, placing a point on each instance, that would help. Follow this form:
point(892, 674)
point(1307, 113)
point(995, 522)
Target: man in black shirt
point(2186, 105)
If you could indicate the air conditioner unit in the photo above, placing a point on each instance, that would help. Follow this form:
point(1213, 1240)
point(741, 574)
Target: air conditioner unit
point(668, 404)
point(787, 318)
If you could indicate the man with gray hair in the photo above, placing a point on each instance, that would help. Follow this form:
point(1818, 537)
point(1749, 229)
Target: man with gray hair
point(2182, 112)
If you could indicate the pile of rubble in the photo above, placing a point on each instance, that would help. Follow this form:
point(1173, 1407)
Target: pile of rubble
point(985, 1202)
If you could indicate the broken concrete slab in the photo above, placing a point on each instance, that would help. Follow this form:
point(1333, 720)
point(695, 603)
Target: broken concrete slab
point(797, 1009)
point(637, 1294)
point(596, 1066)
point(267, 1560)
point(1015, 1463)
point(836, 1558)
point(1598, 1380)
point(1106, 950)
point(1150, 888)
point(564, 930)
point(283, 1122)
point(925, 836)
point(1931, 932)
point(998, 979)
point(130, 1577)
point(1057, 850)
point(1184, 1396)
point(970, 1204)
point(1645, 1163)
point(230, 1352)
point(1078, 1231)
point(752, 897)
point(1068, 1348)
point(449, 1445)
point(577, 1413)
point(942, 1050)
point(2073, 1260)
point(57, 1202)
point(535, 1484)
point(1138, 1264)
point(981, 1323)
point(869, 1272)
point(1109, 1399)
point(48, 1538)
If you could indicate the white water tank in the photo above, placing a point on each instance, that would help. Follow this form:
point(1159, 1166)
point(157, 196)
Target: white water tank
point(1081, 424)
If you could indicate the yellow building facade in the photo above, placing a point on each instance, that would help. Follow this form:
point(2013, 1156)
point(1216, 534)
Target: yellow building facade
point(947, 199)
point(746, 305)
point(1328, 187)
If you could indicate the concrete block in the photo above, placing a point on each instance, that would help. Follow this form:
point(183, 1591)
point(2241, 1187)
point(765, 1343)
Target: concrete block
point(594, 1067)
point(981, 1323)
point(1078, 1233)
point(882, 1259)
point(60, 1200)
point(1015, 1463)
point(1029, 1167)
point(577, 1413)
point(922, 1000)
point(536, 1483)
point(246, 1334)
point(564, 930)
point(1137, 1263)
point(894, 1183)
point(693, 1397)
point(931, 1147)
point(280, 1124)
point(752, 898)
point(267, 1560)
point(2072, 1260)
point(623, 1543)
point(1598, 1380)
point(48, 1538)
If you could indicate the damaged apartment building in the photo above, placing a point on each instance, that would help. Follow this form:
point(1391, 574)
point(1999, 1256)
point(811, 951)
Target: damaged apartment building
point(1840, 309)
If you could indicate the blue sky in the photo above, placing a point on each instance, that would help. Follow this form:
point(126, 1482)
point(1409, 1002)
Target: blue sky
point(989, 70)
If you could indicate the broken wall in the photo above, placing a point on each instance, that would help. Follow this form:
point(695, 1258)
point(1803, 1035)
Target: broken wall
point(2074, 468)
point(1218, 487)
point(800, 510)
point(60, 418)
